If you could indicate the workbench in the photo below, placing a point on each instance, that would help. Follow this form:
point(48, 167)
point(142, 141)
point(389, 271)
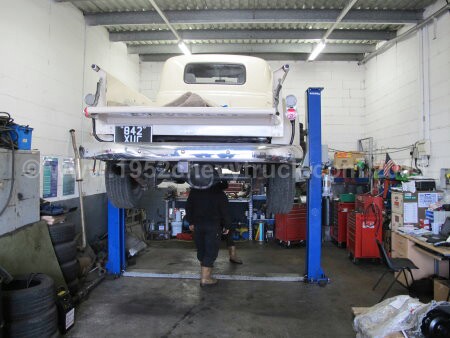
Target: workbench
point(428, 258)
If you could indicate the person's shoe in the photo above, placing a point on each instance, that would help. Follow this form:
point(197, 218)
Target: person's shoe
point(207, 280)
point(233, 258)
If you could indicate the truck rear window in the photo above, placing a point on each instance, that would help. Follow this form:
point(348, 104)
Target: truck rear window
point(214, 73)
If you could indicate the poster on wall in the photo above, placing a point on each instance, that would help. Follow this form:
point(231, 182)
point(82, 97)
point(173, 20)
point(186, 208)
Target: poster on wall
point(425, 199)
point(68, 177)
point(50, 177)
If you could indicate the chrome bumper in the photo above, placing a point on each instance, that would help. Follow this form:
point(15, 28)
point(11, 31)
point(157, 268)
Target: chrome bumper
point(174, 152)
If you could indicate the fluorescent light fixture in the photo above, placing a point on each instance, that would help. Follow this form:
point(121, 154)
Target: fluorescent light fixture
point(184, 48)
point(316, 51)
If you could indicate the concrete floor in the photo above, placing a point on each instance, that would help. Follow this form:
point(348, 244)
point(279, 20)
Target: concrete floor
point(143, 307)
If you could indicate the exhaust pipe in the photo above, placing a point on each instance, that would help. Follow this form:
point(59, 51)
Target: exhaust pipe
point(79, 179)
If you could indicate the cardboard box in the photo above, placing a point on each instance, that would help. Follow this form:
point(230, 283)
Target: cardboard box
point(441, 289)
point(346, 160)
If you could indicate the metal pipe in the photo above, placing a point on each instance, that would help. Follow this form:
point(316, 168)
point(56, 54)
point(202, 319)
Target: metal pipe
point(161, 14)
point(79, 179)
point(319, 47)
point(401, 37)
point(339, 19)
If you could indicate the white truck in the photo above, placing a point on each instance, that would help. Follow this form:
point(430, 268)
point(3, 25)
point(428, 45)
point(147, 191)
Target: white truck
point(215, 117)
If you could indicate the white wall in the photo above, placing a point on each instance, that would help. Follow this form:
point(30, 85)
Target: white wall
point(342, 98)
point(45, 53)
point(398, 110)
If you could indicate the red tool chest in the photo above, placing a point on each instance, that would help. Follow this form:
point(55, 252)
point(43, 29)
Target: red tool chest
point(361, 233)
point(339, 221)
point(291, 227)
point(366, 203)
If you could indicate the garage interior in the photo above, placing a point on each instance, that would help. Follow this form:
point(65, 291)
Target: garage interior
point(352, 95)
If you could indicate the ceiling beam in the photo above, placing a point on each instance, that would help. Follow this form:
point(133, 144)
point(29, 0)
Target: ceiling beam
point(306, 34)
point(255, 16)
point(229, 48)
point(271, 56)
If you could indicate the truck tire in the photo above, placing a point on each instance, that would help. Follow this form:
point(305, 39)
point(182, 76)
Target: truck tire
point(43, 324)
point(73, 286)
point(281, 190)
point(22, 302)
point(70, 270)
point(122, 190)
point(62, 232)
point(66, 252)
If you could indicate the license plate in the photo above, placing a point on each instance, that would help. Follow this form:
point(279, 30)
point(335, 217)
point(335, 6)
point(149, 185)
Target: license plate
point(133, 134)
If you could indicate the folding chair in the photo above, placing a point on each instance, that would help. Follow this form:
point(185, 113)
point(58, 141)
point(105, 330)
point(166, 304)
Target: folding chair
point(394, 265)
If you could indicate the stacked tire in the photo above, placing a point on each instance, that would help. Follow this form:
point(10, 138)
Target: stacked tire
point(2, 322)
point(65, 245)
point(29, 307)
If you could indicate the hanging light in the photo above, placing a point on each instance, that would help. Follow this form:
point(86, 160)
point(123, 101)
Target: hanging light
point(316, 51)
point(184, 48)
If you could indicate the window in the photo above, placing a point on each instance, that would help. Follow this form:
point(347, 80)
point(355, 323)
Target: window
point(214, 73)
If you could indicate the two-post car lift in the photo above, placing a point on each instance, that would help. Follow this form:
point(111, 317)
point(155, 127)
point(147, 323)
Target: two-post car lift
point(313, 271)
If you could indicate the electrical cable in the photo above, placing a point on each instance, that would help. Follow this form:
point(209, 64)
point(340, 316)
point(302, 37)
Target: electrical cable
point(379, 151)
point(377, 213)
point(94, 132)
point(292, 132)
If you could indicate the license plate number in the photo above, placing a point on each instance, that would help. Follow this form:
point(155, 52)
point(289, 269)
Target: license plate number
point(133, 134)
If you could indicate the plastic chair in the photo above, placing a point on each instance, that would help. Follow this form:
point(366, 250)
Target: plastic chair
point(394, 265)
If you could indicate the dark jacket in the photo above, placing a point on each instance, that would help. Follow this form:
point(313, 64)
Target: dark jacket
point(209, 206)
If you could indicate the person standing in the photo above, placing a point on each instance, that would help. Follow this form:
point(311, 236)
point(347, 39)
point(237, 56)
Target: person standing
point(207, 213)
point(221, 186)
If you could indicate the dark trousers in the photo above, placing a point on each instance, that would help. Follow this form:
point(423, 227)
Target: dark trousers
point(207, 240)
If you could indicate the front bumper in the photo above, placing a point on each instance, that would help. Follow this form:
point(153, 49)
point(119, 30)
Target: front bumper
point(213, 152)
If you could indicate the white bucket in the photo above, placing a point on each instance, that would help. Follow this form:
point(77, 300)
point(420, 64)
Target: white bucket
point(176, 228)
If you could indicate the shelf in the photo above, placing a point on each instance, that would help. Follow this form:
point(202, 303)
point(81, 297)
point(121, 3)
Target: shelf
point(243, 200)
point(259, 197)
point(238, 200)
point(349, 180)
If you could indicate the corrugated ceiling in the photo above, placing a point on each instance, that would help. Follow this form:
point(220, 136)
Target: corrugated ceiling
point(256, 26)
point(245, 41)
point(144, 5)
point(131, 29)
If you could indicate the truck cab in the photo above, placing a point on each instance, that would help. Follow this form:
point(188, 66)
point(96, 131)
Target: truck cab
point(215, 117)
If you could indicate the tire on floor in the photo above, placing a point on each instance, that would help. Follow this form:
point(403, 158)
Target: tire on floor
point(66, 252)
point(42, 324)
point(28, 295)
point(73, 286)
point(62, 232)
point(70, 270)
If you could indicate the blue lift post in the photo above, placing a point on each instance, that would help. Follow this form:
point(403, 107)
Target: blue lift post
point(116, 240)
point(314, 273)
